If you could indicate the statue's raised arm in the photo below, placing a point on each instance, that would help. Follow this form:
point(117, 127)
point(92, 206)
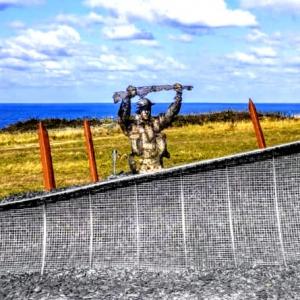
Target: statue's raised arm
point(166, 119)
point(125, 109)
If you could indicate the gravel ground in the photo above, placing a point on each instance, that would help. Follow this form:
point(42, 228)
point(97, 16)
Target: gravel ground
point(32, 194)
point(22, 196)
point(112, 283)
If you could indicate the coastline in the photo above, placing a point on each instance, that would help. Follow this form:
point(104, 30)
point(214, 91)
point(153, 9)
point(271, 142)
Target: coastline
point(13, 113)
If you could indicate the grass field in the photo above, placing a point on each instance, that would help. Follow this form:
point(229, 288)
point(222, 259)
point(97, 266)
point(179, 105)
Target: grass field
point(20, 168)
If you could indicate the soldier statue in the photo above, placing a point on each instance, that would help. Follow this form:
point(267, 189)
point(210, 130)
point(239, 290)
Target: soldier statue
point(144, 131)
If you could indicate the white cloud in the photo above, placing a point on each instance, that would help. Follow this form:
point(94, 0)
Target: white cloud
point(56, 69)
point(59, 37)
point(4, 4)
point(40, 52)
point(293, 60)
point(244, 57)
point(140, 63)
point(258, 36)
point(292, 71)
point(14, 64)
point(146, 43)
point(211, 88)
point(85, 20)
point(94, 18)
point(17, 25)
point(264, 51)
point(252, 59)
point(68, 19)
point(185, 38)
point(113, 62)
point(23, 53)
point(292, 5)
point(147, 62)
point(91, 19)
point(157, 63)
point(172, 63)
point(115, 28)
point(124, 31)
point(242, 74)
point(61, 67)
point(264, 55)
point(185, 13)
point(56, 54)
point(20, 2)
point(147, 76)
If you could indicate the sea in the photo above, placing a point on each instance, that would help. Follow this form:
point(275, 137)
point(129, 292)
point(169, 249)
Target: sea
point(11, 113)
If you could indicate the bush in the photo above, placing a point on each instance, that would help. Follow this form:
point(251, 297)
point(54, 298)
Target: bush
point(180, 120)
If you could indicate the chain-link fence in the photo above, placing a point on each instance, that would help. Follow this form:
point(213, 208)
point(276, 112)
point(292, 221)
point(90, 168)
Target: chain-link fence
point(233, 211)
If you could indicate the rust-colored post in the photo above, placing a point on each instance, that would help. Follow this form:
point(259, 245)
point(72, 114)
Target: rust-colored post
point(256, 124)
point(46, 159)
point(90, 151)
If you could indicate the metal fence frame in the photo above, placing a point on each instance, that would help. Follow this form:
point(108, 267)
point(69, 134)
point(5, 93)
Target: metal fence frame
point(174, 241)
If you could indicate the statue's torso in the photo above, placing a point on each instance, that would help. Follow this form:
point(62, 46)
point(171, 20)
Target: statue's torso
point(147, 142)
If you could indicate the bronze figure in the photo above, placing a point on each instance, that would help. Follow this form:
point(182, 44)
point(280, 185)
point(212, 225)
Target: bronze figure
point(144, 131)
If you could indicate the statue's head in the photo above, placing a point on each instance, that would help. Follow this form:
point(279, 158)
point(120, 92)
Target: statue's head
point(131, 90)
point(144, 108)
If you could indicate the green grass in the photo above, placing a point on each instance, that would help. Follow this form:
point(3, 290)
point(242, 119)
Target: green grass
point(20, 168)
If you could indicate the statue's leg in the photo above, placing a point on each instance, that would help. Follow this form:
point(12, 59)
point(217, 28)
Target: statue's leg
point(166, 153)
point(161, 162)
point(132, 164)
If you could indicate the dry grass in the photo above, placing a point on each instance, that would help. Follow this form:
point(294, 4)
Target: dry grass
point(20, 168)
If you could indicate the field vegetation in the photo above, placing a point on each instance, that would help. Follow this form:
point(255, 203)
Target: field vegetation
point(189, 140)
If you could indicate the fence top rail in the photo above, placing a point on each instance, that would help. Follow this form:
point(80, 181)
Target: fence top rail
point(205, 165)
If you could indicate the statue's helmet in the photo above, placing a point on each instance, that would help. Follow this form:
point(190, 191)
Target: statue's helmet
point(143, 104)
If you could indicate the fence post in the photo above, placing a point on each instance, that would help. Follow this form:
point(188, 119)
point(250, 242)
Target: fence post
point(256, 124)
point(90, 151)
point(46, 159)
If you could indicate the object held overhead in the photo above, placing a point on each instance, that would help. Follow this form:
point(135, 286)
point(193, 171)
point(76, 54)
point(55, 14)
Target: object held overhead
point(144, 90)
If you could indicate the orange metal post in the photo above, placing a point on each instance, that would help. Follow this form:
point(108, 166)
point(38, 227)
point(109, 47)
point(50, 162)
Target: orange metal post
point(46, 159)
point(256, 124)
point(90, 151)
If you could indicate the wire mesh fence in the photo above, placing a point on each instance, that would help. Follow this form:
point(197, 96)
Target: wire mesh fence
point(239, 210)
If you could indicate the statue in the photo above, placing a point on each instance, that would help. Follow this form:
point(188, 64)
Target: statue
point(144, 131)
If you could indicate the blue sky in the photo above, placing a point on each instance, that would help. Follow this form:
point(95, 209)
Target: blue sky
point(84, 50)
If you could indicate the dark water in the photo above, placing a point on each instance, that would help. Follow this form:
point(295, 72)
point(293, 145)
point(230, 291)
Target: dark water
point(11, 113)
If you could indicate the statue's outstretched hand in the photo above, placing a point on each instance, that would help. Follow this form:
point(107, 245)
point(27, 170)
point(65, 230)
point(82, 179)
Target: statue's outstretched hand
point(177, 87)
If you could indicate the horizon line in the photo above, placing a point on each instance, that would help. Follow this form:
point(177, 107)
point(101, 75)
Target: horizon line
point(188, 102)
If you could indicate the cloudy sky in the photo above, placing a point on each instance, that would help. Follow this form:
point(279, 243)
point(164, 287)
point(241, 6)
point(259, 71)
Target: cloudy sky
point(84, 50)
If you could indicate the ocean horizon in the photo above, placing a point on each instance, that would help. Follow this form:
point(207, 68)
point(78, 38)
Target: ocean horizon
point(11, 113)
